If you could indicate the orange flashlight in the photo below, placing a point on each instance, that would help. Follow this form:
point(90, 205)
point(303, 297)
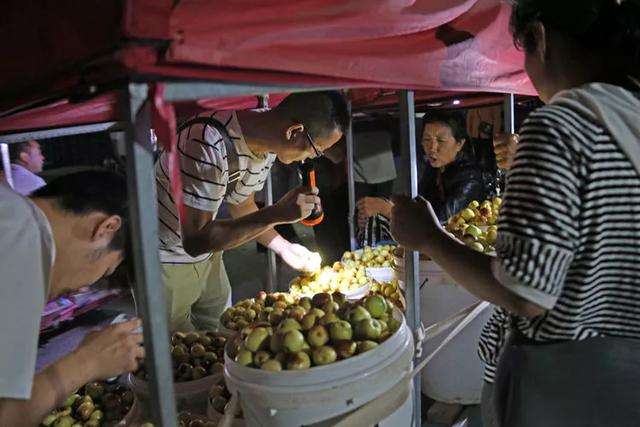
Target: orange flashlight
point(309, 180)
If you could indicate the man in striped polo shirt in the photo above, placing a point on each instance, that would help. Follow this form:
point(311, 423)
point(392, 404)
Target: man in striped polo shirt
point(227, 156)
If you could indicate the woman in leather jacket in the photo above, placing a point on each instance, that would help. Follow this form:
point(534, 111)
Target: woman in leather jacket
point(452, 178)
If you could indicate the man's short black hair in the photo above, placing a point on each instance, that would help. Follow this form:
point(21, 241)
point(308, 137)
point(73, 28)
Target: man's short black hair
point(321, 113)
point(89, 191)
point(18, 148)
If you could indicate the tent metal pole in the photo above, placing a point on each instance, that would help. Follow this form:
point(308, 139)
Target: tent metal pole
point(141, 188)
point(11, 137)
point(509, 127)
point(6, 164)
point(272, 267)
point(411, 259)
point(509, 113)
point(272, 278)
point(192, 91)
point(351, 179)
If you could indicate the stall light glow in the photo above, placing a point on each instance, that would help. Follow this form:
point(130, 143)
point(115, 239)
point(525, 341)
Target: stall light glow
point(456, 102)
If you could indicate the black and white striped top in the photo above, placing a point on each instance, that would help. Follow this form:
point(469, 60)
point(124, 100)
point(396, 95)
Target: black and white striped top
point(569, 234)
point(204, 164)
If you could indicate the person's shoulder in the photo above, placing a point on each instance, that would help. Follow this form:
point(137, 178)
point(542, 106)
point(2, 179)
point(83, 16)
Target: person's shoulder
point(207, 125)
point(12, 204)
point(17, 212)
point(562, 119)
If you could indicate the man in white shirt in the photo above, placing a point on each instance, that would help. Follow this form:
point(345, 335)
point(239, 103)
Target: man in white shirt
point(227, 156)
point(67, 235)
point(26, 161)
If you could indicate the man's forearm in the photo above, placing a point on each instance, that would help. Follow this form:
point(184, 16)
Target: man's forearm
point(247, 208)
point(50, 388)
point(472, 270)
point(268, 237)
point(230, 233)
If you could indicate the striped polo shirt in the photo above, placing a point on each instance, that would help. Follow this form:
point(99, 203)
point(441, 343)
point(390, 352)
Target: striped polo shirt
point(569, 236)
point(207, 180)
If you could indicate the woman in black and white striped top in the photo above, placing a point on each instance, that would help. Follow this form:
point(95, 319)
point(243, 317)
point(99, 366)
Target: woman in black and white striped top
point(566, 267)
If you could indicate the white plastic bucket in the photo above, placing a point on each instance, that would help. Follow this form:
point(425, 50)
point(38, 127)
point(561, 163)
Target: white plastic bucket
point(191, 396)
point(403, 416)
point(455, 375)
point(310, 396)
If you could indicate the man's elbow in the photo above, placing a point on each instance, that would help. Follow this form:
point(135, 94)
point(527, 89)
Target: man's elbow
point(190, 248)
point(195, 247)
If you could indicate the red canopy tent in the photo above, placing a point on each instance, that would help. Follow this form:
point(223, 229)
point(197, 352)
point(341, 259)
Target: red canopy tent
point(61, 48)
point(69, 63)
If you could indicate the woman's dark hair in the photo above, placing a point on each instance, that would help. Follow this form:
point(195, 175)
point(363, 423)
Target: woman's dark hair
point(604, 30)
point(454, 120)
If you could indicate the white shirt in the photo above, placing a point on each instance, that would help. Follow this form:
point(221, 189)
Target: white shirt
point(25, 182)
point(27, 256)
point(205, 177)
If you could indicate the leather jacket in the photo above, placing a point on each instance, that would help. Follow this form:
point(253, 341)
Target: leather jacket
point(460, 183)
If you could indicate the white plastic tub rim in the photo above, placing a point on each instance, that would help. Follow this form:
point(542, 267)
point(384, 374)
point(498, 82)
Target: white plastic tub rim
point(292, 406)
point(184, 387)
point(329, 378)
point(330, 373)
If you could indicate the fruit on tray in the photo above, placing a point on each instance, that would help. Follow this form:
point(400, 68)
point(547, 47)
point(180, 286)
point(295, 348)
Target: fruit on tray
point(336, 278)
point(380, 256)
point(339, 330)
point(264, 308)
point(219, 397)
point(195, 355)
point(390, 290)
point(476, 225)
point(97, 404)
point(476, 213)
point(479, 239)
